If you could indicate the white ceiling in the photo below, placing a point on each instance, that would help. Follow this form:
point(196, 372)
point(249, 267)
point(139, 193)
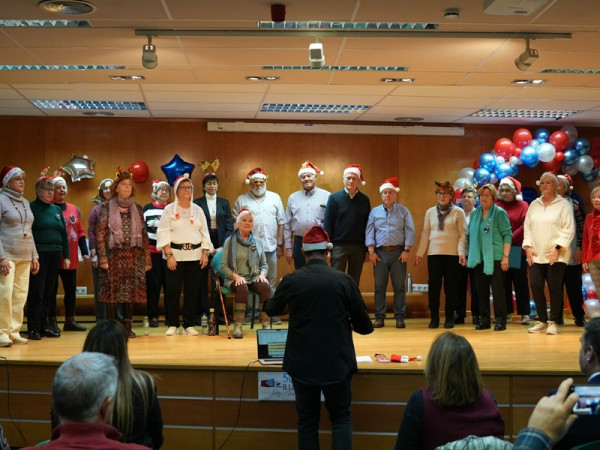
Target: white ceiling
point(204, 77)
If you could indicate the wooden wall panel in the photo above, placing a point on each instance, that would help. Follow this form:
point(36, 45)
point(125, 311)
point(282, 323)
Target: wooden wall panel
point(418, 161)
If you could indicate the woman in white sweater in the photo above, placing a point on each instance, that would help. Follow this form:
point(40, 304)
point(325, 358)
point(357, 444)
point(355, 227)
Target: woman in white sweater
point(443, 237)
point(548, 231)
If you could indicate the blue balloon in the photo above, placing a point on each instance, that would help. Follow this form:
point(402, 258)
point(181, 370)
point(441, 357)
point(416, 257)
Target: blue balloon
point(542, 135)
point(571, 156)
point(503, 170)
point(481, 176)
point(175, 168)
point(590, 176)
point(532, 308)
point(529, 156)
point(582, 146)
point(515, 171)
point(487, 161)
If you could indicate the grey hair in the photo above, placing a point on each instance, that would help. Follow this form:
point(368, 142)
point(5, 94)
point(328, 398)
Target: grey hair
point(82, 384)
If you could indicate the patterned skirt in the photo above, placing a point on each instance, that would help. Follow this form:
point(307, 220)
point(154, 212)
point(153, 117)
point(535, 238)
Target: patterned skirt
point(125, 279)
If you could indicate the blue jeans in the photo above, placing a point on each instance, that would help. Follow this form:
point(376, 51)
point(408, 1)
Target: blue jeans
point(308, 406)
point(389, 265)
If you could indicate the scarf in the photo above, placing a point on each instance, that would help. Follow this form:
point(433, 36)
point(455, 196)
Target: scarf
point(12, 194)
point(595, 232)
point(253, 256)
point(442, 213)
point(484, 253)
point(115, 237)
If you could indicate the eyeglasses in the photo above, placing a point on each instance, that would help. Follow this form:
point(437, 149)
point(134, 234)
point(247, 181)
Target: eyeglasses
point(186, 188)
point(258, 181)
point(166, 191)
point(48, 189)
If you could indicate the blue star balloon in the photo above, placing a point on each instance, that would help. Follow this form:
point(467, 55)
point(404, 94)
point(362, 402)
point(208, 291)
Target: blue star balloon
point(175, 168)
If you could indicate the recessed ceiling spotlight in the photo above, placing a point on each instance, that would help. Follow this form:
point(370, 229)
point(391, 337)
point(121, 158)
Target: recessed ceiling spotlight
point(67, 6)
point(259, 78)
point(397, 80)
point(127, 77)
point(409, 119)
point(451, 13)
point(528, 81)
point(271, 78)
point(253, 78)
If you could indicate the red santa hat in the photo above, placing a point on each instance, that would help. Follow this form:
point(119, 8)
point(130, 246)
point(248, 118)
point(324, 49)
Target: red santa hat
point(390, 183)
point(308, 167)
point(355, 168)
point(8, 173)
point(256, 173)
point(566, 178)
point(60, 180)
point(241, 213)
point(316, 239)
point(514, 184)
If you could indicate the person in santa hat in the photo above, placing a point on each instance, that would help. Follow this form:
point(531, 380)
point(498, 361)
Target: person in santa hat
point(269, 217)
point(574, 270)
point(183, 237)
point(389, 236)
point(77, 241)
point(155, 277)
point(305, 208)
point(325, 306)
point(512, 202)
point(18, 255)
point(346, 218)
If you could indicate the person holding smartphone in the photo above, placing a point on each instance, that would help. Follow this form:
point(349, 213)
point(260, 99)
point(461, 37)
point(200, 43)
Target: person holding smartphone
point(587, 427)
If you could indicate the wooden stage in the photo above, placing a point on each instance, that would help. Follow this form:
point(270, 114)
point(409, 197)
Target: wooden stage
point(200, 383)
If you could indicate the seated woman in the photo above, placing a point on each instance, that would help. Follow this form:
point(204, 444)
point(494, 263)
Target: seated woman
point(244, 264)
point(454, 404)
point(136, 411)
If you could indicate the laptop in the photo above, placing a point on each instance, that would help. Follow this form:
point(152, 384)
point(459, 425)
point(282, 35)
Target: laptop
point(271, 345)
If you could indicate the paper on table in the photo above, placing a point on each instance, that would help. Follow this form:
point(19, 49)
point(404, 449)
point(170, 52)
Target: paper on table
point(360, 359)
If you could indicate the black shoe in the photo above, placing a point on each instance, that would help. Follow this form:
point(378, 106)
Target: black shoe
point(154, 322)
point(435, 323)
point(449, 324)
point(475, 320)
point(379, 323)
point(50, 333)
point(400, 323)
point(71, 325)
point(483, 326)
point(34, 335)
point(580, 322)
point(458, 320)
point(499, 327)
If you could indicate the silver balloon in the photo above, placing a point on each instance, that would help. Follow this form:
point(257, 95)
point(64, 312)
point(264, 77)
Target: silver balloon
point(79, 167)
point(585, 163)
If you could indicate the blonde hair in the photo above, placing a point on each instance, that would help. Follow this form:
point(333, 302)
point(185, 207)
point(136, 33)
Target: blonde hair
point(491, 188)
point(452, 372)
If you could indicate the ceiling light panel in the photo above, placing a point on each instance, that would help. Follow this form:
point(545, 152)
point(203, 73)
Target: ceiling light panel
point(525, 113)
point(27, 67)
point(313, 108)
point(336, 25)
point(15, 23)
point(89, 105)
point(342, 68)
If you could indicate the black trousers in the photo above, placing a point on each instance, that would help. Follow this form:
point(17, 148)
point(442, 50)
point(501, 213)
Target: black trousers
point(42, 291)
point(483, 283)
point(443, 269)
point(185, 277)
point(155, 280)
point(572, 282)
point(69, 282)
point(518, 279)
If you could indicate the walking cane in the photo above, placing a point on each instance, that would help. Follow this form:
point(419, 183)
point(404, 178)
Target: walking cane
point(223, 305)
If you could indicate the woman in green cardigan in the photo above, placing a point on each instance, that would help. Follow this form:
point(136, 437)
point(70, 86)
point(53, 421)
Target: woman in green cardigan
point(489, 238)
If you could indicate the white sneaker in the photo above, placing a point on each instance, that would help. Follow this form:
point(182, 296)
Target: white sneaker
point(191, 331)
point(525, 320)
point(539, 327)
point(552, 328)
point(5, 340)
point(17, 339)
point(172, 331)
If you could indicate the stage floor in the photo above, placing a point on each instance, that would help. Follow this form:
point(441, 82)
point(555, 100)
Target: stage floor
point(513, 351)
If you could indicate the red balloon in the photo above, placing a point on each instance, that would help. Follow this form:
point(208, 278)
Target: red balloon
point(522, 137)
point(457, 195)
point(476, 164)
point(139, 171)
point(596, 163)
point(560, 140)
point(517, 152)
point(552, 166)
point(560, 156)
point(504, 147)
point(591, 294)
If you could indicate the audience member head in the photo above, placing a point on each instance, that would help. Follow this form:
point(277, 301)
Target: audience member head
point(84, 387)
point(590, 347)
point(452, 372)
point(316, 243)
point(109, 337)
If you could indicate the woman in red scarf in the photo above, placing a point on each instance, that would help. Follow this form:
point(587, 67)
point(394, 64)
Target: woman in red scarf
point(590, 246)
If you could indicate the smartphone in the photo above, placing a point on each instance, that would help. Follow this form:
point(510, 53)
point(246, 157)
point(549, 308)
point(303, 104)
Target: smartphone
point(589, 399)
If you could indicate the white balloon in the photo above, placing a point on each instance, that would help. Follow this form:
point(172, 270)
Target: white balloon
point(586, 279)
point(570, 170)
point(546, 152)
point(493, 178)
point(585, 163)
point(500, 160)
point(514, 160)
point(462, 183)
point(592, 307)
point(534, 143)
point(466, 172)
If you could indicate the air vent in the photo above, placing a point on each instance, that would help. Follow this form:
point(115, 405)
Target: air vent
point(512, 7)
point(67, 6)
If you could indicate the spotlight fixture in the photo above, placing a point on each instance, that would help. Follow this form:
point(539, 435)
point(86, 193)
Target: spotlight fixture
point(316, 55)
point(527, 58)
point(149, 58)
